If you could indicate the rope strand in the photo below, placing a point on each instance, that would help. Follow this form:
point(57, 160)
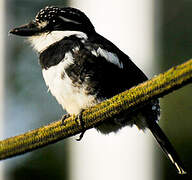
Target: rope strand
point(129, 100)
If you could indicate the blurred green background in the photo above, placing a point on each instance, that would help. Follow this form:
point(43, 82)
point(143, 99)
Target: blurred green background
point(176, 47)
point(26, 97)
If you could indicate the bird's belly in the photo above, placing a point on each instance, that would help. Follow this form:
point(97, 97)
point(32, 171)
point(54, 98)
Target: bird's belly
point(72, 98)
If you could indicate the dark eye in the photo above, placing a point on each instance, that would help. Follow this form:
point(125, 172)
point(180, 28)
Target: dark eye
point(54, 24)
point(57, 25)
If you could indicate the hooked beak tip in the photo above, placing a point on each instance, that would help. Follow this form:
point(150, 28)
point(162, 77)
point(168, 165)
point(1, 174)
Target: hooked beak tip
point(13, 31)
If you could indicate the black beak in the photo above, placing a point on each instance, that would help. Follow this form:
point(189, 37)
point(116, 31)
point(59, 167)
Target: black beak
point(27, 29)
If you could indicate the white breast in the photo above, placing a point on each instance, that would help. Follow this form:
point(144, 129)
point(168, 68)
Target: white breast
point(44, 40)
point(73, 99)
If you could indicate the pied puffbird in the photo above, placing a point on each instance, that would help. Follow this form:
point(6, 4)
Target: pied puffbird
point(82, 68)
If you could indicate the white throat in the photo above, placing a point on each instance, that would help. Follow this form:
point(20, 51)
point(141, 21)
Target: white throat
point(44, 40)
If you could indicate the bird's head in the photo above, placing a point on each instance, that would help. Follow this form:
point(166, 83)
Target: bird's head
point(54, 23)
point(56, 19)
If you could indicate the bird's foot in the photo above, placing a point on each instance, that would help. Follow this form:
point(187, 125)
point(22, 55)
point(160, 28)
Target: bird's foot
point(65, 116)
point(81, 135)
point(80, 121)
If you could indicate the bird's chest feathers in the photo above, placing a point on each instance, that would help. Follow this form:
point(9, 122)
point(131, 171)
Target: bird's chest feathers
point(72, 97)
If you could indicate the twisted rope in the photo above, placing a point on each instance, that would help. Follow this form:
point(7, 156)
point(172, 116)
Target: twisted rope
point(129, 100)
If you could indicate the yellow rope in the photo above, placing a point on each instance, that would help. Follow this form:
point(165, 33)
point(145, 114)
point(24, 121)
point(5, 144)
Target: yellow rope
point(158, 86)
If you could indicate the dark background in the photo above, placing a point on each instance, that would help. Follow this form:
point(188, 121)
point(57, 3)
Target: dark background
point(27, 100)
point(176, 31)
point(28, 105)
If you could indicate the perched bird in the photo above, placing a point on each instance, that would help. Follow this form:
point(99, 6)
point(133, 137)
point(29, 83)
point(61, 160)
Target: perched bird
point(81, 68)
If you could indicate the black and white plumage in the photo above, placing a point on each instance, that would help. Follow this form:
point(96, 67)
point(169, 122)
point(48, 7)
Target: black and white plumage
point(81, 68)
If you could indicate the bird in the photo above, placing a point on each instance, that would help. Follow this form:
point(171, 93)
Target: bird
point(81, 68)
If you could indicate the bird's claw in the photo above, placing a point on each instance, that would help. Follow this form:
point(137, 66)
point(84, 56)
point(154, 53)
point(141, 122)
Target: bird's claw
point(81, 123)
point(65, 116)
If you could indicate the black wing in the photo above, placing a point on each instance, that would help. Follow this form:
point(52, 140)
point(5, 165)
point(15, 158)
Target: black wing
point(118, 79)
point(102, 77)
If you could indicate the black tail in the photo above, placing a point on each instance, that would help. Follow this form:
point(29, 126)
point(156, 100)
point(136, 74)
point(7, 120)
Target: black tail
point(166, 146)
